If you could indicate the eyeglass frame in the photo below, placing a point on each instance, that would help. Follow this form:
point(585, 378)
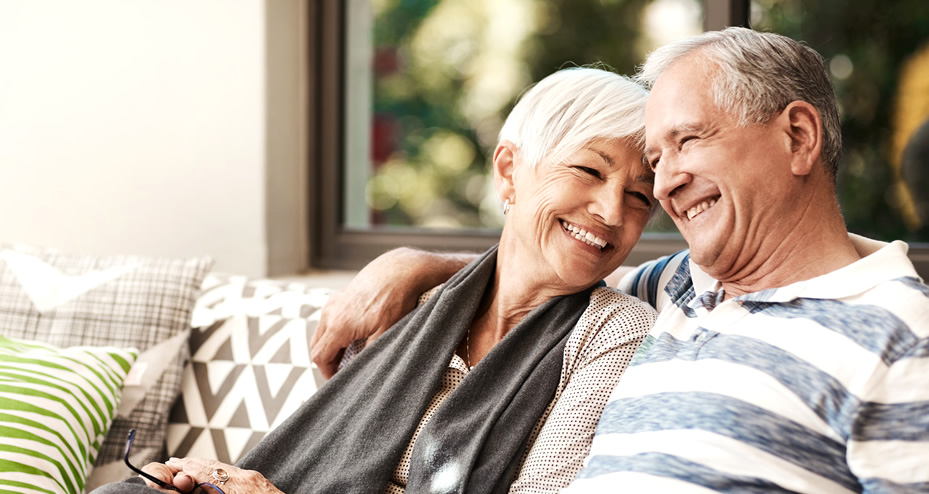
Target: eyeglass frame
point(159, 482)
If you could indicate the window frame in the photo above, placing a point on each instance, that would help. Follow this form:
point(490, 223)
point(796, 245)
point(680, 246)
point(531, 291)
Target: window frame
point(333, 246)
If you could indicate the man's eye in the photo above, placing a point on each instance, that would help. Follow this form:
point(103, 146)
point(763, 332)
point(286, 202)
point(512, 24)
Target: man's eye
point(653, 164)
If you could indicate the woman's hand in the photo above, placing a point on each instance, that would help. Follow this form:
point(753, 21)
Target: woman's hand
point(380, 295)
point(185, 473)
point(161, 472)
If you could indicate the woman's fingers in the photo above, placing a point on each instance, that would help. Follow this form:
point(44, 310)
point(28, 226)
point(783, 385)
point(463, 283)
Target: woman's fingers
point(161, 472)
point(239, 481)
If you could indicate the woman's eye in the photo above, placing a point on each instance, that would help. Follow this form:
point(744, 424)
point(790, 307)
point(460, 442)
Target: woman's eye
point(642, 198)
point(590, 171)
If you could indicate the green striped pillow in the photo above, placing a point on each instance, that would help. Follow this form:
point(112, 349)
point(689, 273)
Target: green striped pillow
point(56, 405)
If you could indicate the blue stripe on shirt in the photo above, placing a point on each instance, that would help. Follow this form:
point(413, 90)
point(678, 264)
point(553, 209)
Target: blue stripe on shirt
point(884, 485)
point(874, 328)
point(822, 393)
point(653, 279)
point(915, 284)
point(732, 418)
point(681, 287)
point(897, 422)
point(662, 465)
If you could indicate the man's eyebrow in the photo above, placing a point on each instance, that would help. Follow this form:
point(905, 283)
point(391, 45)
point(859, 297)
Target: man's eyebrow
point(673, 133)
point(685, 128)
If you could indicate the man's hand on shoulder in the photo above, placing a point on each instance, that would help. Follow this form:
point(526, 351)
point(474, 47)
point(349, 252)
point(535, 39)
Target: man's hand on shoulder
point(377, 297)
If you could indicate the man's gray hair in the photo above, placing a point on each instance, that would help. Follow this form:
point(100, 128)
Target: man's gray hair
point(565, 111)
point(758, 75)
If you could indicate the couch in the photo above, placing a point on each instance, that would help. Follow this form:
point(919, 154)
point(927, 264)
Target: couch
point(199, 363)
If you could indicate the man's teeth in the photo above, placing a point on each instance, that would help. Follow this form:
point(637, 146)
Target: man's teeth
point(699, 208)
point(583, 235)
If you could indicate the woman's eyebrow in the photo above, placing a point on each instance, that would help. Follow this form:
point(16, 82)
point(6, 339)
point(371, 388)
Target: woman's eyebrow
point(606, 157)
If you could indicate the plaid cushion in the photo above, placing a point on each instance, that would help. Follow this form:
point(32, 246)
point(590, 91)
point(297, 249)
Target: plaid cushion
point(125, 301)
point(250, 365)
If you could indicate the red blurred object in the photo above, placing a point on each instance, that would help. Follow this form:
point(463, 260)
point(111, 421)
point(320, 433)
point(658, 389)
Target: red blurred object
point(386, 60)
point(384, 134)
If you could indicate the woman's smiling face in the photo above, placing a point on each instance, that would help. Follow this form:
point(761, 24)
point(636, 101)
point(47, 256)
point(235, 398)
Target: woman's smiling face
point(579, 218)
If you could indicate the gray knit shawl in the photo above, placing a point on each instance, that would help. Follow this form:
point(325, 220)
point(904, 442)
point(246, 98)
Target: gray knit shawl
point(350, 435)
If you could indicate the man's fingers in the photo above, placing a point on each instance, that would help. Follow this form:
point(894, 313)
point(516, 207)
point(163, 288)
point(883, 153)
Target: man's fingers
point(329, 345)
point(377, 334)
point(327, 356)
point(372, 302)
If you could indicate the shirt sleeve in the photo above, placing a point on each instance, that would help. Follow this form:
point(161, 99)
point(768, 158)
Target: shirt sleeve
point(648, 281)
point(893, 422)
point(596, 355)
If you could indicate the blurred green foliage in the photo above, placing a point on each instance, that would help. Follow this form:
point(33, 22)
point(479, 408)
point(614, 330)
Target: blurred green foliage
point(872, 38)
point(432, 148)
point(448, 71)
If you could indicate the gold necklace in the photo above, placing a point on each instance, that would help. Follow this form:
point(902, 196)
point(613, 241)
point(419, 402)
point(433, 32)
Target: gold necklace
point(468, 348)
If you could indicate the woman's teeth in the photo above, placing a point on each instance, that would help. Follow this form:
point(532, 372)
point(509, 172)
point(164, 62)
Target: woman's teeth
point(583, 235)
point(699, 208)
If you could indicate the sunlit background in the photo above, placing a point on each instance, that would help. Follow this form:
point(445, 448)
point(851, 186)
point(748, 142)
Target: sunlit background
point(245, 130)
point(444, 75)
point(430, 82)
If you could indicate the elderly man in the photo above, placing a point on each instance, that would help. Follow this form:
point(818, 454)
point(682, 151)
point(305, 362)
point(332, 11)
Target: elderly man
point(788, 355)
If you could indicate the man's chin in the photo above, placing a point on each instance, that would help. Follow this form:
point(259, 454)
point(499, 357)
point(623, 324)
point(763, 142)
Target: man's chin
point(703, 252)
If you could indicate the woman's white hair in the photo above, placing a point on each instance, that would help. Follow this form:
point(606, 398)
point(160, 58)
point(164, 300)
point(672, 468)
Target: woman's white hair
point(565, 111)
point(758, 74)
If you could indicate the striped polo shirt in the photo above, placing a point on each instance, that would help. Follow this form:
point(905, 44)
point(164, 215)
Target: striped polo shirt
point(818, 386)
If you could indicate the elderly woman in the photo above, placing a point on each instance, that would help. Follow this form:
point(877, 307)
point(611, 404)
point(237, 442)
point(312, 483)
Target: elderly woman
point(496, 381)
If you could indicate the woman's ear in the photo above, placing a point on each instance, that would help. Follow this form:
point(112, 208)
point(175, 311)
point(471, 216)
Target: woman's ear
point(804, 128)
point(505, 158)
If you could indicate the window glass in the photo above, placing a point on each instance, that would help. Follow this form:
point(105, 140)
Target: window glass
point(877, 53)
point(429, 83)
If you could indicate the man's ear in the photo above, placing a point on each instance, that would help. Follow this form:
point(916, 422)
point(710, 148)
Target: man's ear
point(804, 128)
point(505, 158)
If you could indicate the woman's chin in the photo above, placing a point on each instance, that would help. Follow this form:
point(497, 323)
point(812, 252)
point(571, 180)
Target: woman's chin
point(576, 283)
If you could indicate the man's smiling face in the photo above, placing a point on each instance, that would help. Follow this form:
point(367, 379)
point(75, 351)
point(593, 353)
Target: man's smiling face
point(717, 180)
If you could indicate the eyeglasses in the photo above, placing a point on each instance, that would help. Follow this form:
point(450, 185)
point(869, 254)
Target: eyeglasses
point(159, 482)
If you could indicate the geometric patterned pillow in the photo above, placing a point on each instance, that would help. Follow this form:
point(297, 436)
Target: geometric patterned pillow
point(122, 301)
point(250, 365)
point(55, 408)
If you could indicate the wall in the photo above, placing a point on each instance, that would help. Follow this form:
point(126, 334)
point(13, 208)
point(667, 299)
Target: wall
point(137, 126)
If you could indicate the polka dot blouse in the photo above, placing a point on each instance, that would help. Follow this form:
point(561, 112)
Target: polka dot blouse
point(597, 352)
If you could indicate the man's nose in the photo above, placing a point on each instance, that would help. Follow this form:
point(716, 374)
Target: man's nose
point(670, 177)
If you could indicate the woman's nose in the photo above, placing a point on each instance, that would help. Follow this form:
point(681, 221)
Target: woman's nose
point(608, 205)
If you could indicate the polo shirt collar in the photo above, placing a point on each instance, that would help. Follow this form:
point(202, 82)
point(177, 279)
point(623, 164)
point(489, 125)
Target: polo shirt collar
point(880, 261)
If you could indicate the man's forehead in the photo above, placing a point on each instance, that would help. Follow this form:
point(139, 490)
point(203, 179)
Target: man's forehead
point(679, 102)
point(677, 81)
point(690, 76)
